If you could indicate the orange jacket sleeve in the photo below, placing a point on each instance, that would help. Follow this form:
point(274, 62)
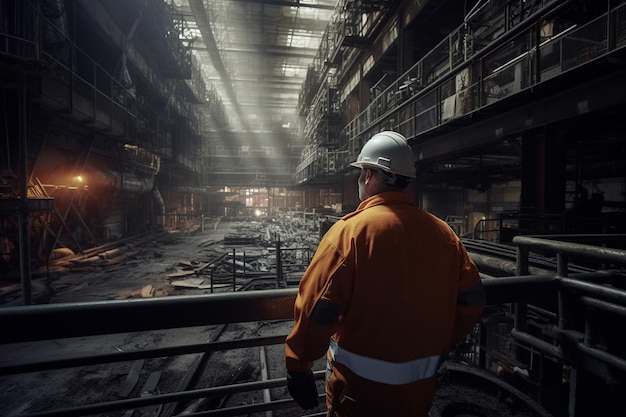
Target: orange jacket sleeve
point(470, 299)
point(315, 316)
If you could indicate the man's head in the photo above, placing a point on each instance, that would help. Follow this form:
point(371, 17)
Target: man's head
point(386, 163)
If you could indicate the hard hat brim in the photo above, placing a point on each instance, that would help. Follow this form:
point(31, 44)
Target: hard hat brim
point(374, 165)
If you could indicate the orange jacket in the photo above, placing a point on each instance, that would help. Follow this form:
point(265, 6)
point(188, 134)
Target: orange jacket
point(389, 283)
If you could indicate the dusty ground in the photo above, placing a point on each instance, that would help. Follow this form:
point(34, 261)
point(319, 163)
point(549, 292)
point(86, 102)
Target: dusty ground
point(136, 269)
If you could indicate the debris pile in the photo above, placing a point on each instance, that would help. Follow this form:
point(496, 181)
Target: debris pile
point(269, 252)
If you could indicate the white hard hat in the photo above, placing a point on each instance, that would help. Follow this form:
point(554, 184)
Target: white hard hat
point(388, 151)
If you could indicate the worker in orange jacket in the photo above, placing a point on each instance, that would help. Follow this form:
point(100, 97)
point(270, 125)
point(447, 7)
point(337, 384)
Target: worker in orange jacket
point(388, 291)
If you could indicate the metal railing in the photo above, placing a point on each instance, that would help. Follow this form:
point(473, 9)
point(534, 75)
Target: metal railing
point(56, 321)
point(560, 298)
point(451, 81)
point(507, 225)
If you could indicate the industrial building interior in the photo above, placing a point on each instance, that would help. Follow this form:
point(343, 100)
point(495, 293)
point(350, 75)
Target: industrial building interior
point(140, 122)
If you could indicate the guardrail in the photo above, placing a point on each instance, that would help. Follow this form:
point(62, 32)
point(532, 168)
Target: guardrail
point(577, 315)
point(56, 321)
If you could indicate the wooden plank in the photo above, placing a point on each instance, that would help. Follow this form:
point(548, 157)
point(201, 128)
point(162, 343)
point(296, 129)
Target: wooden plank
point(150, 387)
point(199, 361)
point(131, 379)
point(147, 291)
point(169, 409)
point(180, 274)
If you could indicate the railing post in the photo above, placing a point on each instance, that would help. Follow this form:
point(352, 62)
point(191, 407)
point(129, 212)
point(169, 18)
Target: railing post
point(521, 261)
point(279, 263)
point(234, 270)
point(561, 264)
point(561, 271)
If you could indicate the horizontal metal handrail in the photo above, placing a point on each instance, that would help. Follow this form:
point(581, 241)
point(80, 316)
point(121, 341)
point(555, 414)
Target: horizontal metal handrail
point(65, 320)
point(83, 360)
point(571, 248)
point(11, 45)
point(52, 321)
point(527, 244)
point(38, 323)
point(185, 395)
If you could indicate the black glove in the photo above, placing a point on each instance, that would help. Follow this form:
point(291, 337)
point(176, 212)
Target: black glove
point(301, 386)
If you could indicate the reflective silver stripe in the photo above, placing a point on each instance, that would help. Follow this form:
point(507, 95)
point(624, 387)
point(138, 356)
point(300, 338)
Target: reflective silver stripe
point(382, 371)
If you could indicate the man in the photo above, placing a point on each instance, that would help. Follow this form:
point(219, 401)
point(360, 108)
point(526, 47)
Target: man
point(389, 289)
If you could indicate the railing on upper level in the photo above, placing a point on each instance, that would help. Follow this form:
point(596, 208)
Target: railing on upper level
point(562, 320)
point(446, 84)
point(510, 224)
point(74, 82)
point(453, 81)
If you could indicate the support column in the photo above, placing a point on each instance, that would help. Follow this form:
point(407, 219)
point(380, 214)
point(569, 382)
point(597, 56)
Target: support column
point(364, 96)
point(24, 215)
point(543, 173)
point(350, 193)
point(405, 47)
